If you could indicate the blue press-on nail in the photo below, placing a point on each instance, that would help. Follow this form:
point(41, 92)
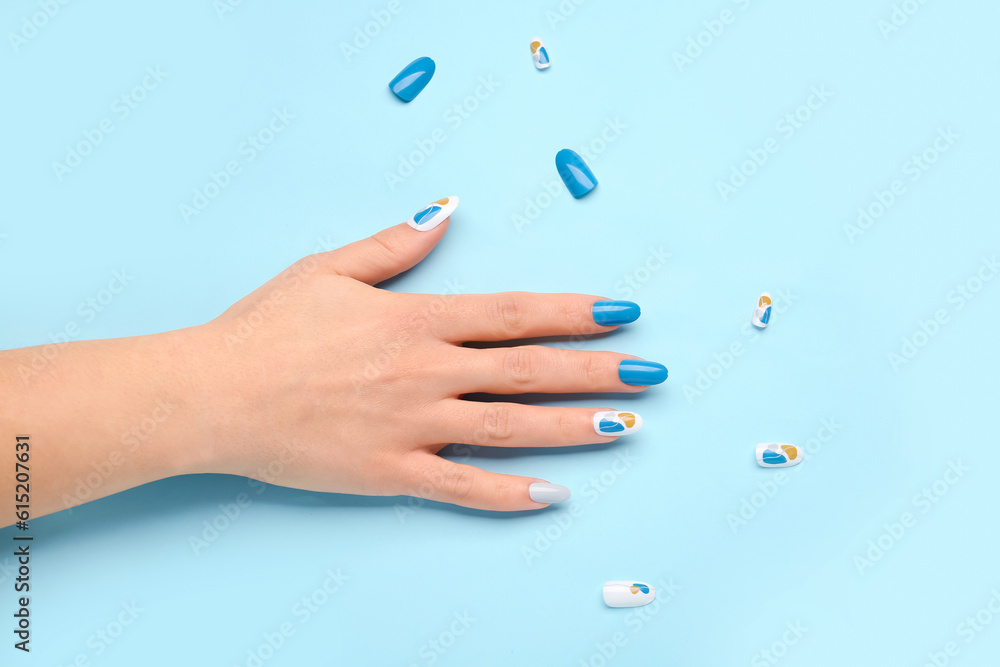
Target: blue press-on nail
point(641, 373)
point(613, 313)
point(411, 80)
point(575, 173)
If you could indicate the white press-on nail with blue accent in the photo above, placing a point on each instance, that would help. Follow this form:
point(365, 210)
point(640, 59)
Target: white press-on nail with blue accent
point(612, 422)
point(433, 214)
point(778, 455)
point(628, 594)
point(762, 313)
point(539, 53)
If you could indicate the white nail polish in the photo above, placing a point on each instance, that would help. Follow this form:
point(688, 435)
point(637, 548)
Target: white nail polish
point(612, 422)
point(548, 493)
point(628, 593)
point(778, 455)
point(762, 313)
point(433, 214)
point(539, 53)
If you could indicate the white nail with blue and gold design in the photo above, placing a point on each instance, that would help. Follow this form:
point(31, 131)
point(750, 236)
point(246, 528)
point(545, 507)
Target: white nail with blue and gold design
point(778, 455)
point(762, 313)
point(539, 53)
point(628, 593)
point(433, 214)
point(612, 422)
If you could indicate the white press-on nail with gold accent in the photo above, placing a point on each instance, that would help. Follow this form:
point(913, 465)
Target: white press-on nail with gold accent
point(628, 593)
point(612, 422)
point(433, 214)
point(778, 455)
point(539, 53)
point(762, 313)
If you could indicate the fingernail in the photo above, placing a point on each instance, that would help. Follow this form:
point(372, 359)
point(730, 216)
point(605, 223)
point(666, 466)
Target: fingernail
point(778, 455)
point(433, 214)
point(762, 314)
point(411, 79)
point(641, 373)
point(548, 493)
point(628, 594)
point(612, 422)
point(539, 54)
point(611, 313)
point(575, 173)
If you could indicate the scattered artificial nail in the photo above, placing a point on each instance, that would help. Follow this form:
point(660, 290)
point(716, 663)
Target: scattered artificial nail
point(762, 313)
point(411, 79)
point(613, 313)
point(641, 373)
point(575, 173)
point(548, 493)
point(628, 594)
point(539, 54)
point(612, 422)
point(433, 214)
point(778, 455)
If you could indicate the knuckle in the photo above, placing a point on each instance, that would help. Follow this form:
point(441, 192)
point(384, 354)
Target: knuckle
point(497, 424)
point(594, 369)
point(459, 485)
point(519, 366)
point(567, 426)
point(508, 312)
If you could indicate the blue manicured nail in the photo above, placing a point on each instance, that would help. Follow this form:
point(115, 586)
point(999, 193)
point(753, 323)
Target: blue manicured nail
point(575, 173)
point(411, 80)
point(613, 313)
point(641, 373)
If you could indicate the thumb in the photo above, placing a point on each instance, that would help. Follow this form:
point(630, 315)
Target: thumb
point(394, 249)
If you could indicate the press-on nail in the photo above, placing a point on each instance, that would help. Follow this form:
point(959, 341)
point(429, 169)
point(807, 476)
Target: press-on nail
point(539, 54)
point(433, 214)
point(411, 79)
point(641, 373)
point(548, 493)
point(575, 173)
point(778, 455)
point(762, 313)
point(612, 422)
point(613, 313)
point(628, 594)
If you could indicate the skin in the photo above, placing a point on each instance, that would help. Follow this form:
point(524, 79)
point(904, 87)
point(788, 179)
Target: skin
point(317, 380)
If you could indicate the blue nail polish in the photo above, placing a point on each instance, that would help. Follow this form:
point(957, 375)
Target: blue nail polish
point(641, 373)
point(612, 313)
point(575, 173)
point(411, 80)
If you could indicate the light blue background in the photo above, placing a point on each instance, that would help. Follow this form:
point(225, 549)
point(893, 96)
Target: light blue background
point(664, 518)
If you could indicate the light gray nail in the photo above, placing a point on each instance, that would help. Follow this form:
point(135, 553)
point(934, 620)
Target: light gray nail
point(548, 493)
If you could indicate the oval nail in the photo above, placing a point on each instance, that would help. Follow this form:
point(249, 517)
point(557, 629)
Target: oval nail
point(548, 493)
point(762, 313)
point(612, 422)
point(613, 313)
point(411, 79)
point(433, 214)
point(539, 53)
point(628, 594)
point(575, 173)
point(641, 373)
point(778, 455)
